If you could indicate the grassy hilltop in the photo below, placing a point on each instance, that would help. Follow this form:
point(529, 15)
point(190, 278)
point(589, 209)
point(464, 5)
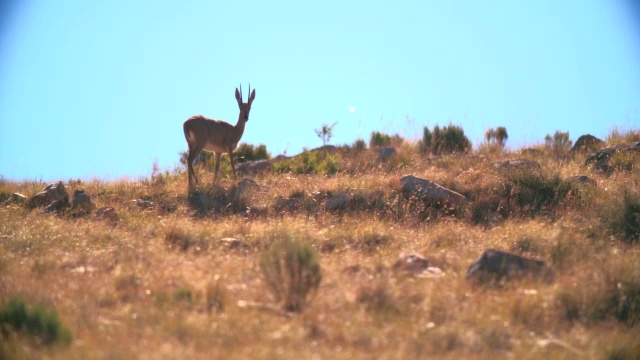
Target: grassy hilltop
point(176, 277)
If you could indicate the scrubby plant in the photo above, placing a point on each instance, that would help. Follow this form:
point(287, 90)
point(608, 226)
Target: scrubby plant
point(359, 145)
point(37, 321)
point(378, 299)
point(291, 271)
point(216, 296)
point(496, 137)
point(309, 162)
point(618, 136)
point(446, 140)
point(379, 139)
point(559, 143)
point(625, 222)
point(248, 152)
point(530, 193)
point(613, 296)
point(325, 133)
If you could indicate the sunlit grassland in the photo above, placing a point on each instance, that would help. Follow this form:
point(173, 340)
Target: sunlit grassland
point(166, 281)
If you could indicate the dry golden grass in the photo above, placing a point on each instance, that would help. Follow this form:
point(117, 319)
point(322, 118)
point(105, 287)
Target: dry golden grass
point(168, 282)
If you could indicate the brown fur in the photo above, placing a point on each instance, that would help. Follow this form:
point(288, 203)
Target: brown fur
point(216, 136)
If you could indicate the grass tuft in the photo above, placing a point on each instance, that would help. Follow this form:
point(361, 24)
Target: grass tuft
point(292, 273)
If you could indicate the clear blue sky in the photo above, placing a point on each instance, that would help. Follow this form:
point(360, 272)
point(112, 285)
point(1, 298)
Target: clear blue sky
point(101, 88)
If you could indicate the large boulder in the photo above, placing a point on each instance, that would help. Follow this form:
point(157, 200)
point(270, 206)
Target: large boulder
point(600, 159)
point(429, 191)
point(499, 265)
point(54, 192)
point(587, 143)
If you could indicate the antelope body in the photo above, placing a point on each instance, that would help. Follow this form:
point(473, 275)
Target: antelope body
point(216, 136)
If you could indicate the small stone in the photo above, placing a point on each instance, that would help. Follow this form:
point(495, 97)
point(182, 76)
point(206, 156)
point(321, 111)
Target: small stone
point(107, 213)
point(411, 263)
point(498, 265)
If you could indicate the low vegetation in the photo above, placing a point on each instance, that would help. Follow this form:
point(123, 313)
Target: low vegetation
point(302, 265)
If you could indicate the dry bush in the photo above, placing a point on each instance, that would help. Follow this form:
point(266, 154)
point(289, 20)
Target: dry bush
point(291, 271)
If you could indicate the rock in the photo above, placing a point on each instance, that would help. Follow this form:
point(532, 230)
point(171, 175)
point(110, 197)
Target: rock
point(583, 180)
point(245, 187)
point(386, 153)
point(411, 263)
point(15, 198)
point(517, 164)
point(56, 206)
point(107, 213)
point(247, 184)
point(51, 193)
point(255, 167)
point(81, 201)
point(145, 204)
point(430, 191)
point(337, 202)
point(498, 265)
point(416, 265)
point(587, 143)
point(234, 244)
point(601, 158)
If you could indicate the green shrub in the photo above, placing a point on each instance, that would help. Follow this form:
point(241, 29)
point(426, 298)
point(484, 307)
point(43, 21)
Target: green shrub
point(309, 162)
point(183, 296)
point(37, 321)
point(292, 273)
point(559, 143)
point(247, 152)
point(379, 139)
point(359, 145)
point(447, 140)
point(530, 193)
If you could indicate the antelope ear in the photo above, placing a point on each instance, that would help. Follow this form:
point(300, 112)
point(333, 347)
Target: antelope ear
point(253, 96)
point(238, 97)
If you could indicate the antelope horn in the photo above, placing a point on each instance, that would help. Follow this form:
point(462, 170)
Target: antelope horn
point(249, 93)
point(240, 92)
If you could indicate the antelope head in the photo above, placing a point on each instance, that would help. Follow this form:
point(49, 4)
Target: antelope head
point(245, 108)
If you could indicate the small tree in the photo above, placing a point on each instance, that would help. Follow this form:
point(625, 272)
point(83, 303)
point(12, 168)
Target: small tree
point(559, 143)
point(497, 136)
point(501, 135)
point(325, 133)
